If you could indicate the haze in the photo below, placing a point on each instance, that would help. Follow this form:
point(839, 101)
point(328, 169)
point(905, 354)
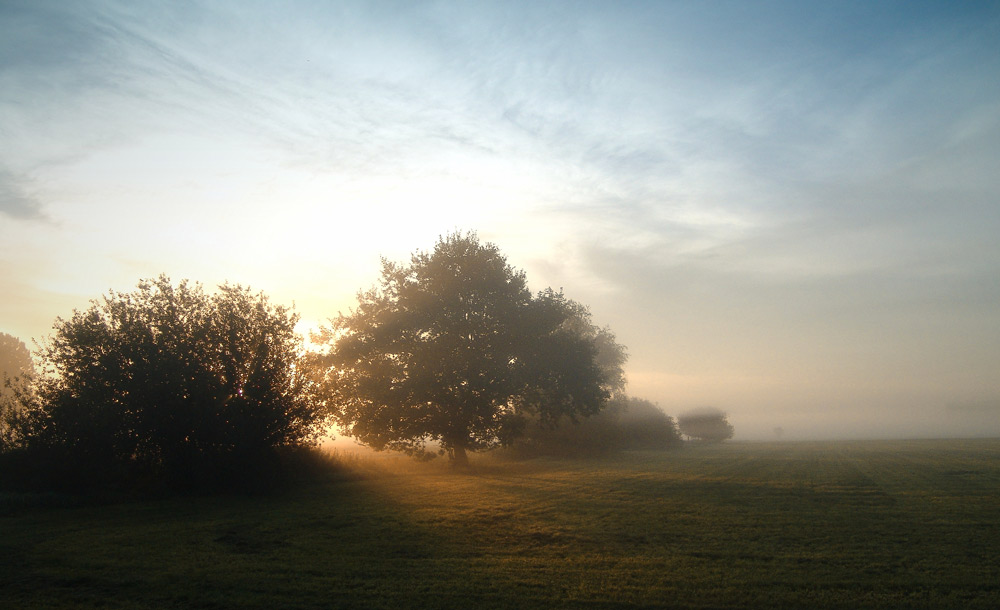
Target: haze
point(785, 210)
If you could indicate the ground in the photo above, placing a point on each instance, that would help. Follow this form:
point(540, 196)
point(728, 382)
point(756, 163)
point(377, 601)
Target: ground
point(907, 524)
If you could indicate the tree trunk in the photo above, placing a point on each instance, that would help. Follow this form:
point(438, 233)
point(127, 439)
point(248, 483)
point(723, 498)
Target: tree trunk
point(459, 458)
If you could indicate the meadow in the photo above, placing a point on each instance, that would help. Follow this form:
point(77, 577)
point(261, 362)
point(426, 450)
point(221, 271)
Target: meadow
point(901, 524)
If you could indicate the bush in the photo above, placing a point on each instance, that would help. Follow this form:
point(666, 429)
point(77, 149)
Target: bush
point(584, 437)
point(169, 385)
point(645, 426)
point(626, 423)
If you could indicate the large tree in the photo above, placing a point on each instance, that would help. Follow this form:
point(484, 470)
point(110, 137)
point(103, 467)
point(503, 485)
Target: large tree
point(171, 382)
point(454, 347)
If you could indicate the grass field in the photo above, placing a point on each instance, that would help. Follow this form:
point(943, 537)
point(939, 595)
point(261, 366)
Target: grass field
point(909, 524)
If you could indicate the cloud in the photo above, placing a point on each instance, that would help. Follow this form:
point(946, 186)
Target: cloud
point(746, 193)
point(16, 201)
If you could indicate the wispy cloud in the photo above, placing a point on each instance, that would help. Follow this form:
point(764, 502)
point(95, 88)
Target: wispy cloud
point(714, 178)
point(16, 200)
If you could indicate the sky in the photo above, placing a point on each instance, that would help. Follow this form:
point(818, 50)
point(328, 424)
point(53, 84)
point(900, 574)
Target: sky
point(786, 210)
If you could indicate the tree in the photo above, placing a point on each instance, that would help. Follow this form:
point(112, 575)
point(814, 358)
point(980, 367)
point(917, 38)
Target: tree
point(706, 424)
point(454, 349)
point(574, 436)
point(626, 423)
point(645, 426)
point(170, 382)
point(610, 356)
point(15, 359)
point(16, 370)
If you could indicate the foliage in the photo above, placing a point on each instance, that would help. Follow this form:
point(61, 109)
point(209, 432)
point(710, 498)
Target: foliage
point(574, 436)
point(16, 371)
point(453, 349)
point(596, 435)
point(706, 424)
point(611, 355)
point(15, 359)
point(645, 426)
point(18, 404)
point(170, 383)
point(626, 423)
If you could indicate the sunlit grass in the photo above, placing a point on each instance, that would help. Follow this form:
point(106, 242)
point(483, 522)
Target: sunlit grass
point(838, 525)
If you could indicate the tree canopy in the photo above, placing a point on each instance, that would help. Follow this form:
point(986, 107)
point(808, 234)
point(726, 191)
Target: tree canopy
point(453, 348)
point(170, 382)
point(575, 436)
point(706, 424)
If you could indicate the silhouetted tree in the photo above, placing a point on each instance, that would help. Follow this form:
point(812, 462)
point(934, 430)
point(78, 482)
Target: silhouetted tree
point(454, 349)
point(706, 424)
point(171, 383)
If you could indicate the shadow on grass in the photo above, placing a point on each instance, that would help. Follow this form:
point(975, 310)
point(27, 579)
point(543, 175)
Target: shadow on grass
point(344, 542)
point(742, 526)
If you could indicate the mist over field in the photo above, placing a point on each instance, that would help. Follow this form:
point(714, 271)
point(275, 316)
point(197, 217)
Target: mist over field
point(787, 211)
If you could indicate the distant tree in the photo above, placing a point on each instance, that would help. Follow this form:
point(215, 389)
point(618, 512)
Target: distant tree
point(645, 426)
point(626, 423)
point(15, 359)
point(594, 435)
point(453, 349)
point(706, 424)
point(172, 383)
point(16, 370)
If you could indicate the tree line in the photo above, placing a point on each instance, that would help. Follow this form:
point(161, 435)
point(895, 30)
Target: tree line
point(446, 355)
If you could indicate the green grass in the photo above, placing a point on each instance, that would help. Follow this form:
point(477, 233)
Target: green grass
point(912, 524)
